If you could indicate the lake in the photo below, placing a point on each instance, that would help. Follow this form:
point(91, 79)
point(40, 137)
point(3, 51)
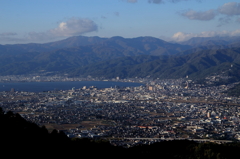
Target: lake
point(48, 86)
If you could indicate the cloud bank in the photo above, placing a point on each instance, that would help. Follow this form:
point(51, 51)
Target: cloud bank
point(72, 27)
point(230, 9)
point(180, 36)
point(158, 1)
point(205, 16)
point(155, 1)
point(10, 37)
point(8, 34)
point(132, 1)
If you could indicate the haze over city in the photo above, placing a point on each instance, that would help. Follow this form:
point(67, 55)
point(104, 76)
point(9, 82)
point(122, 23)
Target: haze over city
point(41, 21)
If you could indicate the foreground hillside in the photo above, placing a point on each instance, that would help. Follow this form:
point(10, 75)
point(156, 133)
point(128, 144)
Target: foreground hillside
point(22, 138)
point(19, 137)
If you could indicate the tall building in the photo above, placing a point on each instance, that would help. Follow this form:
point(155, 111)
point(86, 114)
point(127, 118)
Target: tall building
point(208, 114)
point(150, 88)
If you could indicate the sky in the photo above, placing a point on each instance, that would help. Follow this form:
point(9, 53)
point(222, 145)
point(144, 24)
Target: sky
point(41, 21)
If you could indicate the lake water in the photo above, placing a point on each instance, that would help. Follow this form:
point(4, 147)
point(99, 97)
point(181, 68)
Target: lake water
point(48, 86)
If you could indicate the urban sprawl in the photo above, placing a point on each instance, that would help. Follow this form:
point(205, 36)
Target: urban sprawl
point(172, 109)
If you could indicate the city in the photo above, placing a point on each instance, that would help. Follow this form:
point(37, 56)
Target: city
point(158, 110)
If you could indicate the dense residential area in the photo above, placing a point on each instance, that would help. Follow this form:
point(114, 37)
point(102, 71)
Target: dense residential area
point(158, 110)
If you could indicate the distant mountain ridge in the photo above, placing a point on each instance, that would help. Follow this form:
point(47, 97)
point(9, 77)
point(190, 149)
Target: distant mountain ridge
point(123, 57)
point(77, 52)
point(204, 41)
point(197, 65)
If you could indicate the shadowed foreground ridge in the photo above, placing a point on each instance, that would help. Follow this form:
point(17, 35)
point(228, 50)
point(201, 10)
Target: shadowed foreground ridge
point(19, 137)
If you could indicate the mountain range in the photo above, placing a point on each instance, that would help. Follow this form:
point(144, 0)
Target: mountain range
point(124, 57)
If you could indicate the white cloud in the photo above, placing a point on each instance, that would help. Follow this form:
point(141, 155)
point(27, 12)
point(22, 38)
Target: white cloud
point(132, 1)
point(149, 1)
point(180, 36)
point(11, 40)
point(155, 1)
point(174, 1)
point(231, 8)
point(158, 1)
point(72, 27)
point(183, 0)
point(235, 33)
point(8, 34)
point(205, 16)
point(9, 37)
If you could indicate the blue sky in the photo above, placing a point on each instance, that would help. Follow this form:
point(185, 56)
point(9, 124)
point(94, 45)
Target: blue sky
point(39, 21)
